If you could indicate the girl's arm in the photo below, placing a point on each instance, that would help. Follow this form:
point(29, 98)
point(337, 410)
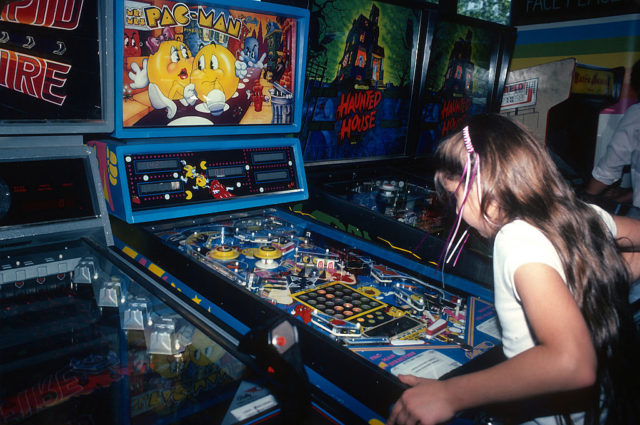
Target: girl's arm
point(628, 240)
point(564, 358)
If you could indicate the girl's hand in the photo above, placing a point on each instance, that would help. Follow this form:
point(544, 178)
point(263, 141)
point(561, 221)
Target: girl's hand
point(426, 403)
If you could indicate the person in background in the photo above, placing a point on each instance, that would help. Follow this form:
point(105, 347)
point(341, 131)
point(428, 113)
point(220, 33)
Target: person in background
point(560, 285)
point(623, 150)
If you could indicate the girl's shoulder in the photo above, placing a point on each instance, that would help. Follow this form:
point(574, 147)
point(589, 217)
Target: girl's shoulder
point(517, 228)
point(520, 228)
point(518, 243)
point(519, 238)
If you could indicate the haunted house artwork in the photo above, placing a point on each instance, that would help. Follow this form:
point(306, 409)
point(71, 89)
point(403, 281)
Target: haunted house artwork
point(362, 61)
point(459, 76)
point(359, 80)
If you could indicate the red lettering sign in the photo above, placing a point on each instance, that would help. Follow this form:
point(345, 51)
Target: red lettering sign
point(358, 101)
point(34, 76)
point(62, 14)
point(453, 113)
point(357, 111)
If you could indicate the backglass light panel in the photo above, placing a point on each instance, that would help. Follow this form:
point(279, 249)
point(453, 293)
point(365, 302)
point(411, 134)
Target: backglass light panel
point(208, 68)
point(55, 67)
point(464, 76)
point(360, 78)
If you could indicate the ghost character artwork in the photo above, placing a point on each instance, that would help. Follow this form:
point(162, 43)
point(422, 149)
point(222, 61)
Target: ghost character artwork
point(198, 64)
point(251, 53)
point(132, 43)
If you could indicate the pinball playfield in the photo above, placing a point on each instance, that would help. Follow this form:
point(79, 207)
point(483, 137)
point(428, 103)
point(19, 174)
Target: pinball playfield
point(396, 319)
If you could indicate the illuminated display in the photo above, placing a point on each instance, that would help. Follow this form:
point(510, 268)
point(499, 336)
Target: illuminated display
point(272, 175)
point(209, 177)
point(259, 158)
point(160, 187)
point(593, 82)
point(157, 165)
point(222, 172)
point(360, 103)
point(460, 79)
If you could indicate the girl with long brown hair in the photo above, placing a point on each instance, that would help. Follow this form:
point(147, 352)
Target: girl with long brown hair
point(561, 280)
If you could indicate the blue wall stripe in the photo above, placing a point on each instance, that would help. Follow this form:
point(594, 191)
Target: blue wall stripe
point(539, 34)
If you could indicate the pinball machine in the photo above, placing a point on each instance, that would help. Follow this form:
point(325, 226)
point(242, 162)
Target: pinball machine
point(386, 195)
point(203, 197)
point(56, 66)
point(365, 314)
point(90, 338)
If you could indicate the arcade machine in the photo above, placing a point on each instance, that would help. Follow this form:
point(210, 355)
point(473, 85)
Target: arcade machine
point(387, 196)
point(209, 215)
point(369, 314)
point(88, 338)
point(531, 92)
point(605, 38)
point(573, 124)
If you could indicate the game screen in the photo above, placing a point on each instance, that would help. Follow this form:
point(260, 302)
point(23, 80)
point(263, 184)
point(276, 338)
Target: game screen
point(201, 64)
point(360, 73)
point(459, 81)
point(50, 62)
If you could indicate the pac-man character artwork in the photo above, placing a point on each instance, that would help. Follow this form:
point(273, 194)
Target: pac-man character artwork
point(203, 65)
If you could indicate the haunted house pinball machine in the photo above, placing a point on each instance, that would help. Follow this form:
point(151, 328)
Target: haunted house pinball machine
point(377, 184)
point(465, 75)
point(361, 77)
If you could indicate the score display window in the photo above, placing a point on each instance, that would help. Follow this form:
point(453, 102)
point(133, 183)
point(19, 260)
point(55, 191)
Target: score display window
point(44, 191)
point(225, 172)
point(160, 187)
point(271, 176)
point(157, 165)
